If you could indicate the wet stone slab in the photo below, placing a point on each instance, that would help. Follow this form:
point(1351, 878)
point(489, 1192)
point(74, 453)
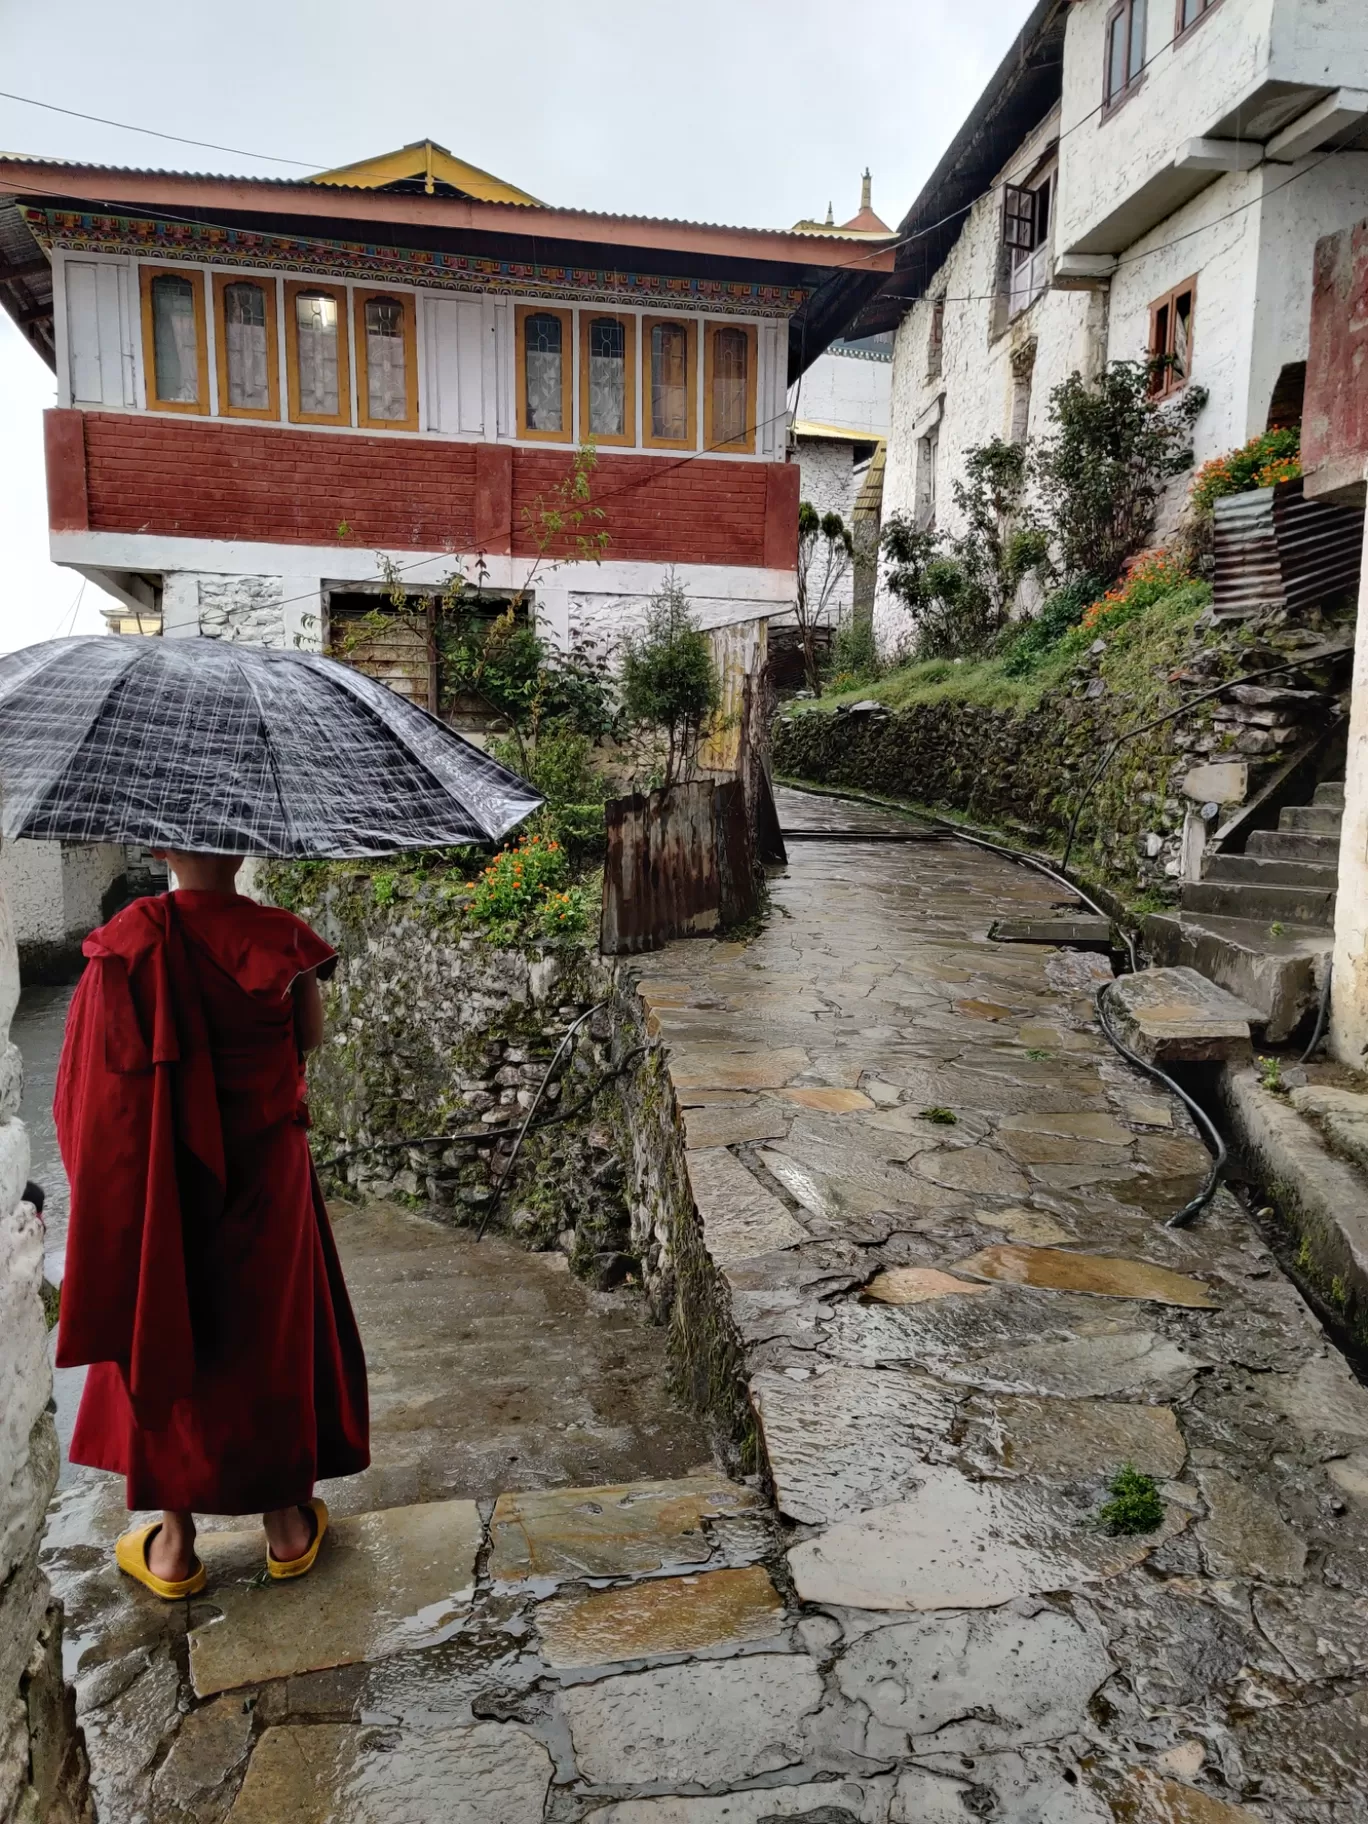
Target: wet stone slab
point(567, 1533)
point(850, 1439)
point(1105, 1276)
point(659, 1616)
point(704, 1724)
point(740, 1217)
point(325, 1773)
point(1064, 1438)
point(384, 1582)
point(956, 1543)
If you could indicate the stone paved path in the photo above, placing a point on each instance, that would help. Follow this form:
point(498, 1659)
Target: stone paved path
point(935, 1199)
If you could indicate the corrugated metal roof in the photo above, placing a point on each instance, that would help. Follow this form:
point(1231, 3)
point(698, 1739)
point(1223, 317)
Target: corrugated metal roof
point(333, 187)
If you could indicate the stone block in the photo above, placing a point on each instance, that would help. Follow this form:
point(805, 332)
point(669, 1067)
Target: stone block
point(661, 1615)
point(1217, 783)
point(565, 1533)
point(1175, 1016)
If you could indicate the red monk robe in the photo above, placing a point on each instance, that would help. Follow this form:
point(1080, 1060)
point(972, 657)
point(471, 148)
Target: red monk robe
point(202, 1282)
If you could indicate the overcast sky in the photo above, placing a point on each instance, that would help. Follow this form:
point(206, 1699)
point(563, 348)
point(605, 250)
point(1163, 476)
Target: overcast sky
point(756, 112)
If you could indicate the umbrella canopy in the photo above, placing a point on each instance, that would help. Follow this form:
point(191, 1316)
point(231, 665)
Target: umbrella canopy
point(210, 747)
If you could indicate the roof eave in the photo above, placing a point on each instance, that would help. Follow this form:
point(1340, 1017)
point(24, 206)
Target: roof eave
point(108, 189)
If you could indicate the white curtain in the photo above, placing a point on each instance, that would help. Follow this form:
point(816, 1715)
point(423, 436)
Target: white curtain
point(542, 356)
point(731, 350)
point(245, 337)
point(174, 342)
point(607, 378)
point(669, 382)
point(316, 330)
point(386, 388)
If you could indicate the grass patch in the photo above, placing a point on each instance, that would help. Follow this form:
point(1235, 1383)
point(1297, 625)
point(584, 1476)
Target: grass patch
point(940, 1117)
point(1136, 1505)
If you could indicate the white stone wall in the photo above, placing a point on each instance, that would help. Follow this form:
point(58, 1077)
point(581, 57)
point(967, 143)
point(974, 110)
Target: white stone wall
point(55, 892)
point(831, 482)
point(260, 610)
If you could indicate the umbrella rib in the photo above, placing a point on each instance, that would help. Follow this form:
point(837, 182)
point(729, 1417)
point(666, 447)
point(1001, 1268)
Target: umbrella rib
point(287, 822)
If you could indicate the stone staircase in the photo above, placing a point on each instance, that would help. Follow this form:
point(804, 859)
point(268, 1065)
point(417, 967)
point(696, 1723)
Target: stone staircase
point(1261, 924)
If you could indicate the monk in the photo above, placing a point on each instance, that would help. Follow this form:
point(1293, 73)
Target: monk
point(202, 1283)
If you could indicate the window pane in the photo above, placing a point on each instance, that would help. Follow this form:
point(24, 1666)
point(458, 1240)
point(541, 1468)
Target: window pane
point(316, 341)
point(244, 329)
point(1182, 335)
point(543, 358)
point(386, 388)
point(607, 378)
point(731, 358)
point(669, 382)
point(175, 346)
point(1136, 60)
point(1116, 56)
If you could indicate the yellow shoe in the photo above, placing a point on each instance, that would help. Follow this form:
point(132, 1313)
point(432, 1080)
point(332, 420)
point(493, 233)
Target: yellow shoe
point(130, 1554)
point(296, 1567)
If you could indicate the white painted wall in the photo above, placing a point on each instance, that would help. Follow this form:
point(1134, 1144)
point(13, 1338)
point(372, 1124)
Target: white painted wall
point(1349, 984)
point(55, 892)
point(853, 392)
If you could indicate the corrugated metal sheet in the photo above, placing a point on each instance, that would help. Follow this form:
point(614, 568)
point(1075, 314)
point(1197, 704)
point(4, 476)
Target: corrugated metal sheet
point(1276, 549)
point(739, 652)
point(660, 878)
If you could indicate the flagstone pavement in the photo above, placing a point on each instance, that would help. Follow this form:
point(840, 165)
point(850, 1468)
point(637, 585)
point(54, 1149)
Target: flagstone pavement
point(936, 1201)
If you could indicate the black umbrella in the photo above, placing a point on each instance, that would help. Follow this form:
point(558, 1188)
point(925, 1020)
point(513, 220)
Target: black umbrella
point(208, 746)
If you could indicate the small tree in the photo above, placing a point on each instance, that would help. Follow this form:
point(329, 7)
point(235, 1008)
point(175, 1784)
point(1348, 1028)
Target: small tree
point(825, 551)
point(960, 590)
point(1102, 472)
point(669, 681)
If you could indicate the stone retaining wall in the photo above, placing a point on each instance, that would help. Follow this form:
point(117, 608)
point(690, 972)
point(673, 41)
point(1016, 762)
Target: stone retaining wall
point(1026, 769)
point(432, 1030)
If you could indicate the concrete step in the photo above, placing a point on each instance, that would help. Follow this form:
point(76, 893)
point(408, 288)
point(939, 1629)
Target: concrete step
point(1295, 845)
point(1330, 793)
point(1272, 871)
point(1279, 975)
point(1322, 817)
point(1283, 905)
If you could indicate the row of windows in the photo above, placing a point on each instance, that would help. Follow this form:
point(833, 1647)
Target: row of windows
point(318, 376)
point(1123, 61)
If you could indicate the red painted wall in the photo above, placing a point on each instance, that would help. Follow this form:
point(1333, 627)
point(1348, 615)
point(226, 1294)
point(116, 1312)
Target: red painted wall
point(1335, 416)
point(190, 479)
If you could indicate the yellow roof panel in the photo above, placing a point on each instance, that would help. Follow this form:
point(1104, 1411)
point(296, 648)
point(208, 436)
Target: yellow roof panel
point(426, 162)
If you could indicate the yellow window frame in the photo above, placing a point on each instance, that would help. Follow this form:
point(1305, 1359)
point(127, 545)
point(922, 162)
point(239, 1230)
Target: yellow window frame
point(690, 440)
point(147, 276)
point(739, 445)
point(629, 327)
point(408, 320)
point(338, 293)
point(271, 289)
point(520, 318)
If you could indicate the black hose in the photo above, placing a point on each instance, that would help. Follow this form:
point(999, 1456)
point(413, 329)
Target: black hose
point(1322, 1013)
point(1197, 1204)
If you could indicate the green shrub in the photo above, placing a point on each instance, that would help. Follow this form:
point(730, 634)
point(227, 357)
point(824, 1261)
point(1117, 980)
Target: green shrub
point(1136, 1505)
point(511, 892)
point(1029, 642)
point(669, 681)
point(854, 655)
point(559, 765)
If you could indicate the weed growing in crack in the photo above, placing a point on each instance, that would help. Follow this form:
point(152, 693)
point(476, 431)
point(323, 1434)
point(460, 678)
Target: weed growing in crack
point(942, 1117)
point(1036, 1052)
point(1135, 1506)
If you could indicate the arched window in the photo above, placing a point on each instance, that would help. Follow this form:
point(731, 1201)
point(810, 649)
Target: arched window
point(544, 400)
point(386, 361)
point(607, 388)
point(316, 353)
point(174, 340)
point(672, 360)
point(248, 368)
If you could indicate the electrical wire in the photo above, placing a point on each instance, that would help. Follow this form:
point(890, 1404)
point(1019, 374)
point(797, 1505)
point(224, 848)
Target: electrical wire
point(179, 139)
point(1322, 1012)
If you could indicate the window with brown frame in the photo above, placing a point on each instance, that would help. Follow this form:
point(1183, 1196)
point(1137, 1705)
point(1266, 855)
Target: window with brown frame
point(386, 361)
point(670, 348)
point(1190, 13)
point(1123, 49)
point(729, 386)
point(175, 339)
point(246, 347)
point(607, 377)
point(317, 368)
point(545, 377)
point(935, 340)
point(1170, 339)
